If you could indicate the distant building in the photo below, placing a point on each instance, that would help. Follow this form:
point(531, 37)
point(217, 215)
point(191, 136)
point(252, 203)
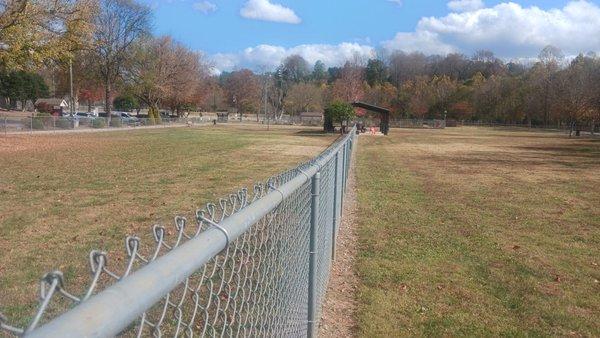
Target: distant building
point(58, 106)
point(310, 116)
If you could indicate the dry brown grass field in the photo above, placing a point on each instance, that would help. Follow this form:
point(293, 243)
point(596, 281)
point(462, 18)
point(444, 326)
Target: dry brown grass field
point(473, 231)
point(64, 195)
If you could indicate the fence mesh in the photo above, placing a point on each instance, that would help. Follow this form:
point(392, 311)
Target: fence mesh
point(257, 286)
point(25, 123)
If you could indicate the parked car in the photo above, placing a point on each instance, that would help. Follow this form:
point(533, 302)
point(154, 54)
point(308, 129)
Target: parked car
point(85, 114)
point(68, 117)
point(127, 118)
point(85, 118)
point(167, 115)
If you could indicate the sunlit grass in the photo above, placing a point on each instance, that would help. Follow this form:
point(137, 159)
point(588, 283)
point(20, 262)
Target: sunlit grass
point(478, 232)
point(64, 195)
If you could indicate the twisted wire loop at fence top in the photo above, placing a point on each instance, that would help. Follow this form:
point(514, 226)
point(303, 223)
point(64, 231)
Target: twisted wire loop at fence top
point(240, 268)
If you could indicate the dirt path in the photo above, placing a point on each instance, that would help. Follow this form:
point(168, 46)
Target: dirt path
point(339, 309)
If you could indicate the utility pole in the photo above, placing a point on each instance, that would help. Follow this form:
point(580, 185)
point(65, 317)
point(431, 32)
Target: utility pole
point(72, 103)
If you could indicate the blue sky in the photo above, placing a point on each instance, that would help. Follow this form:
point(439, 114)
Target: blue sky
point(258, 33)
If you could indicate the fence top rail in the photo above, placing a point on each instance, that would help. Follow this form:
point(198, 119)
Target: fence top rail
point(112, 310)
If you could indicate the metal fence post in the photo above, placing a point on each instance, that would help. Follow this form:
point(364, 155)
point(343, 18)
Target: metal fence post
point(335, 205)
point(342, 179)
point(347, 163)
point(347, 167)
point(344, 167)
point(312, 258)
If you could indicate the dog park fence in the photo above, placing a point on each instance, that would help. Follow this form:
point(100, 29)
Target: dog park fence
point(31, 124)
point(256, 263)
point(418, 123)
point(406, 123)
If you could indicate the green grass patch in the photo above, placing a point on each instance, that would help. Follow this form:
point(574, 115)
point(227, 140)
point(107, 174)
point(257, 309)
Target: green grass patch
point(473, 232)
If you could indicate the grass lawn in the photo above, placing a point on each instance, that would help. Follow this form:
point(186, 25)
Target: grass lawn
point(486, 232)
point(64, 195)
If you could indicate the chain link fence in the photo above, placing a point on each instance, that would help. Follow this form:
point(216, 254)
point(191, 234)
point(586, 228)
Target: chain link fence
point(256, 263)
point(418, 123)
point(406, 123)
point(314, 120)
point(29, 124)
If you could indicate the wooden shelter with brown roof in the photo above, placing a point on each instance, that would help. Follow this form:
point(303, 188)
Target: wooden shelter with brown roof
point(384, 127)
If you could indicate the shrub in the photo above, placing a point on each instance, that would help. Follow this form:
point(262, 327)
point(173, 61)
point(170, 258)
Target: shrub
point(125, 103)
point(44, 107)
point(37, 123)
point(64, 124)
point(146, 122)
point(98, 123)
point(116, 122)
point(338, 112)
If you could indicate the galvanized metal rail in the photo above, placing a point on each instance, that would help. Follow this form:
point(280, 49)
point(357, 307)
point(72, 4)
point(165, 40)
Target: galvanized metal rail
point(255, 264)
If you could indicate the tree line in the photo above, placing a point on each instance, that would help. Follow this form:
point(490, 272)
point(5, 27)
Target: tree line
point(117, 60)
point(110, 49)
point(553, 91)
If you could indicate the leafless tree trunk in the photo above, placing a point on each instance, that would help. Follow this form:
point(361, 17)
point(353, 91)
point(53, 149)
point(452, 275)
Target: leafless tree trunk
point(119, 24)
point(107, 99)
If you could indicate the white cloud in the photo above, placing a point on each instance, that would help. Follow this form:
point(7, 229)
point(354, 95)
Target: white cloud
point(267, 57)
point(420, 41)
point(397, 2)
point(508, 29)
point(205, 7)
point(267, 11)
point(465, 5)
